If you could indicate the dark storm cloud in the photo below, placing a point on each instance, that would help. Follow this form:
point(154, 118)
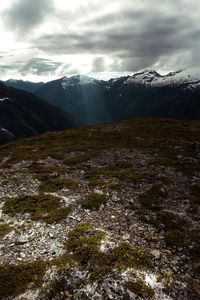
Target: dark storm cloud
point(122, 36)
point(36, 66)
point(136, 39)
point(24, 15)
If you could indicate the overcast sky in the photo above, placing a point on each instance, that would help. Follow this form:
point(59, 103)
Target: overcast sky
point(47, 39)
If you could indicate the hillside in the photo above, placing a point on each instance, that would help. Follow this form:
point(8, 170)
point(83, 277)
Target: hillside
point(102, 212)
point(22, 114)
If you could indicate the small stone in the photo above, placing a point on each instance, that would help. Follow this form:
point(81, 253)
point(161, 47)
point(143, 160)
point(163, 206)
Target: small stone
point(51, 235)
point(79, 219)
point(98, 192)
point(126, 237)
point(22, 240)
point(22, 254)
point(156, 254)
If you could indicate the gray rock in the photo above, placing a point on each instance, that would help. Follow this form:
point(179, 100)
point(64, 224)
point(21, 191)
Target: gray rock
point(156, 253)
point(51, 235)
point(22, 254)
point(126, 237)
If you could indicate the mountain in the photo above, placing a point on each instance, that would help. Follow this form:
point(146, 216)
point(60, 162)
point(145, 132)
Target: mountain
point(81, 96)
point(149, 94)
point(187, 78)
point(24, 85)
point(23, 114)
point(175, 95)
point(103, 212)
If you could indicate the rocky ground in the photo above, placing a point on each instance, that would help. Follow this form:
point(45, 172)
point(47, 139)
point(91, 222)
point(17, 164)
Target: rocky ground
point(104, 212)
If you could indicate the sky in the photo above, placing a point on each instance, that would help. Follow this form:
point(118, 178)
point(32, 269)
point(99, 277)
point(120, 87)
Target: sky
point(46, 39)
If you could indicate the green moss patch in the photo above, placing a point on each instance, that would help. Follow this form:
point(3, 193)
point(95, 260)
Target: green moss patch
point(44, 207)
point(175, 237)
point(14, 279)
point(93, 201)
point(56, 288)
point(140, 289)
point(4, 229)
point(54, 185)
point(177, 228)
point(84, 242)
point(153, 198)
point(121, 173)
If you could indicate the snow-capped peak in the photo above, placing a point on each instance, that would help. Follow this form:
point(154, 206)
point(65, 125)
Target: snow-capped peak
point(145, 77)
point(77, 80)
point(149, 77)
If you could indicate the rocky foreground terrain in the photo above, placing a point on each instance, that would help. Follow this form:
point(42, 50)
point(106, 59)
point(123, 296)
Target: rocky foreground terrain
point(103, 212)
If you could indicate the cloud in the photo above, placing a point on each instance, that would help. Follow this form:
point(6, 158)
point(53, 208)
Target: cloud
point(25, 15)
point(35, 66)
point(117, 36)
point(98, 64)
point(136, 43)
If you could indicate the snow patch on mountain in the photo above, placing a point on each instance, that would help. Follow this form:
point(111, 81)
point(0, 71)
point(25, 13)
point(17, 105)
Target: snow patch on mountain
point(77, 80)
point(149, 77)
point(7, 132)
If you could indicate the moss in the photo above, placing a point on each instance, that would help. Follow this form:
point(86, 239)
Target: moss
point(53, 185)
point(14, 279)
point(152, 199)
point(42, 172)
point(123, 164)
point(176, 228)
point(93, 201)
point(193, 289)
point(172, 221)
point(95, 181)
point(57, 215)
point(140, 289)
point(121, 173)
point(57, 287)
point(77, 159)
point(127, 256)
point(112, 186)
point(175, 237)
point(44, 207)
point(4, 229)
point(84, 242)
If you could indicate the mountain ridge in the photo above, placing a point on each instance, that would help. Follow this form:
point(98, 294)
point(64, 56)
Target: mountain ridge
point(144, 94)
point(23, 114)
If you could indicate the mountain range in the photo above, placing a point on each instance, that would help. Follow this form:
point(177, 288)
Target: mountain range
point(23, 114)
point(175, 95)
point(28, 86)
point(57, 104)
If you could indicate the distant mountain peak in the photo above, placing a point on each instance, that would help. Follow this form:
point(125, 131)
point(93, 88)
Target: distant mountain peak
point(77, 80)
